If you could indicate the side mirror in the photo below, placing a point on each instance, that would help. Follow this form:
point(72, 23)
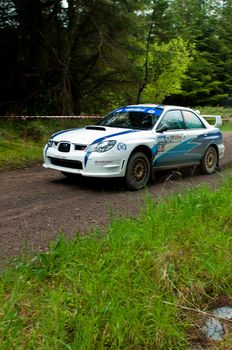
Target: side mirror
point(162, 128)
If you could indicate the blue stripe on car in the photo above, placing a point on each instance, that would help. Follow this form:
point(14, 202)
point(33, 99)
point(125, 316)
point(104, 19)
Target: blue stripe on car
point(213, 135)
point(184, 147)
point(103, 138)
point(154, 150)
point(194, 147)
point(62, 132)
point(59, 133)
point(46, 150)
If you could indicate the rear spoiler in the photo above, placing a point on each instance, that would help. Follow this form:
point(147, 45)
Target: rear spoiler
point(215, 120)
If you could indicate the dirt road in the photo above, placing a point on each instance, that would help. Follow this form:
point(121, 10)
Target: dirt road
point(37, 204)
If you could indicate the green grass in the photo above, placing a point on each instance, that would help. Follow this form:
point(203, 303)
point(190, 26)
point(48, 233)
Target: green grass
point(22, 141)
point(108, 291)
point(19, 153)
point(226, 127)
point(224, 112)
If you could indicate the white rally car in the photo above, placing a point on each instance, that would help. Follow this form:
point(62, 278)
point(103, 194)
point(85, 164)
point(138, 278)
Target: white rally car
point(133, 140)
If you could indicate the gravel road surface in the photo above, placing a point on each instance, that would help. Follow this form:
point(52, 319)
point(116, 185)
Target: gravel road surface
point(37, 204)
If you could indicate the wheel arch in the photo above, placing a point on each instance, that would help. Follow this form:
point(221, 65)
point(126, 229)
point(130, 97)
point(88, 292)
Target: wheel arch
point(138, 168)
point(144, 149)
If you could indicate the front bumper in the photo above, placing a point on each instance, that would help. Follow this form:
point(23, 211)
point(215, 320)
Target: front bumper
point(105, 164)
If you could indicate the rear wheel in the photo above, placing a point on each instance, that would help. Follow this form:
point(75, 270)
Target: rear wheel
point(209, 161)
point(138, 171)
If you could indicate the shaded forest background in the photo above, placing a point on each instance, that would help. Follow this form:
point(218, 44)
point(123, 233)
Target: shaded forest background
point(64, 57)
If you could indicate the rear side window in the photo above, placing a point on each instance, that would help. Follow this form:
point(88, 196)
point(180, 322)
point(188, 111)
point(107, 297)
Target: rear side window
point(173, 120)
point(192, 121)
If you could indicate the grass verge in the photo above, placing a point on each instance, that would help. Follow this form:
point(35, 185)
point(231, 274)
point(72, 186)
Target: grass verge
point(22, 141)
point(226, 127)
point(109, 291)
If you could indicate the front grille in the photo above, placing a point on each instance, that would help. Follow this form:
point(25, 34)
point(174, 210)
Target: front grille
point(64, 147)
point(80, 147)
point(74, 164)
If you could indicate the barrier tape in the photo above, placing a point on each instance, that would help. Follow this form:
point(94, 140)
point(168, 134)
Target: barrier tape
point(24, 117)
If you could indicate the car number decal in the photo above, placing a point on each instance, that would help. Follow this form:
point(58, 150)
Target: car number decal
point(121, 146)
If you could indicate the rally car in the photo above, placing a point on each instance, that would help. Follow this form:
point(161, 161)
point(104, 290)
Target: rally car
point(135, 141)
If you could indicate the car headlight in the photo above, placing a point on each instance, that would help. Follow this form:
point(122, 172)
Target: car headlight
point(102, 146)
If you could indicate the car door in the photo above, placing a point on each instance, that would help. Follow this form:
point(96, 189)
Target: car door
point(196, 136)
point(171, 141)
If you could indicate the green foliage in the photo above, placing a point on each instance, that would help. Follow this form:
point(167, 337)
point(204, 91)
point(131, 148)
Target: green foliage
point(110, 290)
point(92, 56)
point(167, 66)
point(206, 23)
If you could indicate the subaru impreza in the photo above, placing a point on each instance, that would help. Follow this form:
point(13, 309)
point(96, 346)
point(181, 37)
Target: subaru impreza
point(135, 141)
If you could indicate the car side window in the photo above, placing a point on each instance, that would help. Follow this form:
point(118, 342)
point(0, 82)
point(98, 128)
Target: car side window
point(173, 120)
point(192, 121)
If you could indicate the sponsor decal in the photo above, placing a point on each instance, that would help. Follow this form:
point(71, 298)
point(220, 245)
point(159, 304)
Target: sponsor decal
point(161, 139)
point(121, 146)
point(152, 110)
point(103, 162)
point(134, 109)
point(161, 148)
point(177, 138)
point(170, 138)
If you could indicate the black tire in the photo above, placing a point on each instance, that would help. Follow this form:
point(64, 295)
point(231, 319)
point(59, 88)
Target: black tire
point(210, 161)
point(138, 171)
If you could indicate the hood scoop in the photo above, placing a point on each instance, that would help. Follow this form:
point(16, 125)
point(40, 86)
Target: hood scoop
point(95, 127)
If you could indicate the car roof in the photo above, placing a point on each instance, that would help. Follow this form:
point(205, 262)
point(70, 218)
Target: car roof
point(165, 107)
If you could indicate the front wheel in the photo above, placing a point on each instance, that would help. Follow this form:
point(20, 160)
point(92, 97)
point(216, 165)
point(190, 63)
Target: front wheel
point(209, 161)
point(138, 171)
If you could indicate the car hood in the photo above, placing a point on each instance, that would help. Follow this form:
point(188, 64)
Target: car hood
point(92, 134)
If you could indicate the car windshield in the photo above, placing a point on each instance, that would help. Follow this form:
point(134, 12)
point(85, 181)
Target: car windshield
point(130, 119)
